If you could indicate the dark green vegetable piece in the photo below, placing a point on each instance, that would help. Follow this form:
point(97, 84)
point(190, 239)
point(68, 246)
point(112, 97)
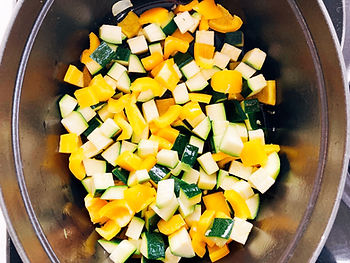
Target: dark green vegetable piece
point(235, 38)
point(158, 172)
point(181, 59)
point(170, 28)
point(234, 111)
point(103, 55)
point(190, 190)
point(251, 106)
point(151, 222)
point(155, 246)
point(122, 54)
point(189, 155)
point(177, 185)
point(93, 124)
point(180, 143)
point(221, 227)
point(121, 174)
point(217, 97)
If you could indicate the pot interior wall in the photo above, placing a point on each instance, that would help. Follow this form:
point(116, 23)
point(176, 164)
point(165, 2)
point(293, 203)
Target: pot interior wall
point(57, 198)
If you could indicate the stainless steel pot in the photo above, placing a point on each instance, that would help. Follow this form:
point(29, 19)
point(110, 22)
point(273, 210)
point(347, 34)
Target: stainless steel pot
point(43, 204)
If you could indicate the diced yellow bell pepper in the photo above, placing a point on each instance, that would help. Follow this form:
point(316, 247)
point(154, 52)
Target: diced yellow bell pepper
point(145, 84)
point(173, 44)
point(238, 204)
point(69, 143)
point(136, 120)
point(188, 7)
point(203, 24)
point(199, 97)
point(168, 133)
point(74, 76)
point(227, 81)
point(186, 36)
point(235, 96)
point(203, 50)
point(268, 94)
point(221, 156)
point(148, 162)
point(172, 225)
point(253, 153)
point(86, 97)
point(226, 23)
point(270, 148)
point(162, 143)
point(130, 25)
point(119, 211)
point(116, 106)
point(208, 9)
point(101, 88)
point(94, 205)
point(109, 230)
point(156, 15)
point(164, 104)
point(86, 76)
point(220, 214)
point(199, 246)
point(140, 196)
point(167, 76)
point(85, 56)
point(169, 117)
point(152, 61)
point(205, 221)
point(216, 253)
point(191, 110)
point(129, 161)
point(125, 126)
point(217, 203)
point(76, 164)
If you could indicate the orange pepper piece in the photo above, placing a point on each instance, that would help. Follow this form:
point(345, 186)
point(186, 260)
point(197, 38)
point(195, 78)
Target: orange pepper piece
point(74, 76)
point(217, 203)
point(94, 205)
point(155, 15)
point(94, 43)
point(203, 24)
point(253, 153)
point(76, 164)
point(139, 196)
point(129, 161)
point(203, 50)
point(130, 25)
point(226, 23)
point(164, 104)
point(216, 253)
point(186, 36)
point(117, 210)
point(168, 133)
point(208, 9)
point(172, 225)
point(188, 7)
point(173, 44)
point(152, 61)
point(227, 81)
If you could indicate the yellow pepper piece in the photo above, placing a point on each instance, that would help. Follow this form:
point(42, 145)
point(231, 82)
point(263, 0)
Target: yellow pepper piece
point(86, 97)
point(203, 50)
point(108, 230)
point(85, 56)
point(116, 106)
point(226, 23)
point(199, 246)
point(227, 81)
point(216, 253)
point(169, 117)
point(167, 76)
point(235, 96)
point(185, 36)
point(119, 211)
point(168, 133)
point(220, 214)
point(205, 221)
point(101, 88)
point(148, 162)
point(203, 24)
point(86, 76)
point(253, 153)
point(191, 110)
point(237, 203)
point(74, 76)
point(217, 203)
point(164, 104)
point(129, 161)
point(208, 9)
point(172, 225)
point(139, 196)
point(130, 25)
point(76, 164)
point(162, 143)
point(199, 97)
point(225, 161)
point(136, 120)
point(188, 7)
point(146, 83)
point(152, 61)
point(173, 44)
point(270, 148)
point(94, 205)
point(221, 156)
point(69, 143)
point(156, 15)
point(125, 126)
point(268, 94)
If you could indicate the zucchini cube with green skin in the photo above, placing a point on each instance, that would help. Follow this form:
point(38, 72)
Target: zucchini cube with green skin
point(243, 189)
point(197, 82)
point(190, 194)
point(205, 37)
point(147, 147)
point(152, 246)
point(185, 209)
point(109, 128)
point(93, 166)
point(206, 181)
point(168, 158)
point(142, 176)
point(190, 69)
point(197, 19)
point(138, 44)
point(191, 176)
point(256, 84)
point(156, 47)
point(135, 65)
point(216, 112)
point(99, 139)
point(235, 38)
point(109, 245)
point(220, 231)
point(253, 204)
point(239, 170)
point(182, 59)
point(87, 183)
point(121, 174)
point(165, 192)
point(180, 143)
point(128, 146)
point(150, 110)
point(202, 130)
point(184, 21)
point(115, 192)
point(195, 141)
point(103, 112)
point(255, 58)
point(158, 173)
point(189, 155)
point(177, 184)
point(153, 33)
point(90, 150)
point(231, 142)
point(122, 55)
point(180, 244)
point(111, 34)
point(123, 251)
point(180, 94)
point(87, 113)
point(170, 28)
point(74, 122)
point(67, 104)
point(241, 130)
point(151, 220)
point(93, 124)
point(246, 71)
point(101, 182)
point(231, 51)
point(135, 228)
point(234, 111)
point(241, 230)
point(170, 257)
point(116, 71)
point(207, 163)
point(103, 54)
point(166, 212)
point(194, 216)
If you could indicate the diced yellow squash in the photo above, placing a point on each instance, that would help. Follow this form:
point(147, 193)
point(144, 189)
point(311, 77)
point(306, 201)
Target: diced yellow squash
point(69, 143)
point(74, 76)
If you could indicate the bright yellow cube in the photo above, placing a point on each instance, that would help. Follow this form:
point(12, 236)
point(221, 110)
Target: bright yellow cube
point(253, 153)
point(74, 76)
point(86, 97)
point(69, 143)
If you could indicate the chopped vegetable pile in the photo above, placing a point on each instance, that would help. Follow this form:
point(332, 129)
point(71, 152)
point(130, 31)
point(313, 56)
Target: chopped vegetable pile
point(166, 135)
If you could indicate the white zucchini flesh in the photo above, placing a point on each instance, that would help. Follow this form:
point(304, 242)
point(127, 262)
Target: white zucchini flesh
point(165, 192)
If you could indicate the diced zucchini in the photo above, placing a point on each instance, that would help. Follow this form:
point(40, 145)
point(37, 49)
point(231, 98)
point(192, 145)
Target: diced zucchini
point(231, 51)
point(257, 135)
point(206, 181)
point(205, 37)
point(116, 71)
point(220, 231)
point(137, 244)
point(99, 139)
point(147, 147)
point(221, 60)
point(128, 146)
point(185, 209)
point(195, 216)
point(151, 220)
point(202, 129)
point(208, 73)
point(253, 204)
point(170, 257)
point(136, 138)
point(103, 54)
point(231, 142)
point(181, 59)
point(153, 33)
point(189, 155)
point(150, 110)
point(255, 58)
point(111, 34)
point(135, 64)
point(180, 244)
point(115, 192)
point(158, 173)
point(142, 176)
point(87, 113)
point(180, 143)
point(191, 176)
point(168, 158)
point(178, 168)
point(93, 66)
point(180, 94)
point(195, 141)
point(228, 182)
point(207, 163)
point(239, 170)
point(145, 96)
point(87, 183)
point(197, 82)
point(254, 86)
point(90, 150)
point(121, 174)
point(109, 245)
point(216, 112)
point(219, 126)
point(155, 47)
point(261, 180)
point(104, 114)
point(165, 192)
point(190, 194)
point(67, 104)
point(241, 130)
point(170, 28)
point(190, 69)
point(109, 128)
point(111, 153)
point(234, 111)
point(123, 83)
point(93, 166)
point(218, 97)
point(166, 212)
point(138, 45)
point(101, 182)
point(240, 231)
point(112, 46)
point(221, 175)
point(74, 122)
point(132, 180)
point(197, 18)
point(244, 189)
point(184, 21)
point(111, 82)
point(152, 246)
point(246, 71)
point(235, 38)
point(123, 251)
point(135, 228)
point(122, 55)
